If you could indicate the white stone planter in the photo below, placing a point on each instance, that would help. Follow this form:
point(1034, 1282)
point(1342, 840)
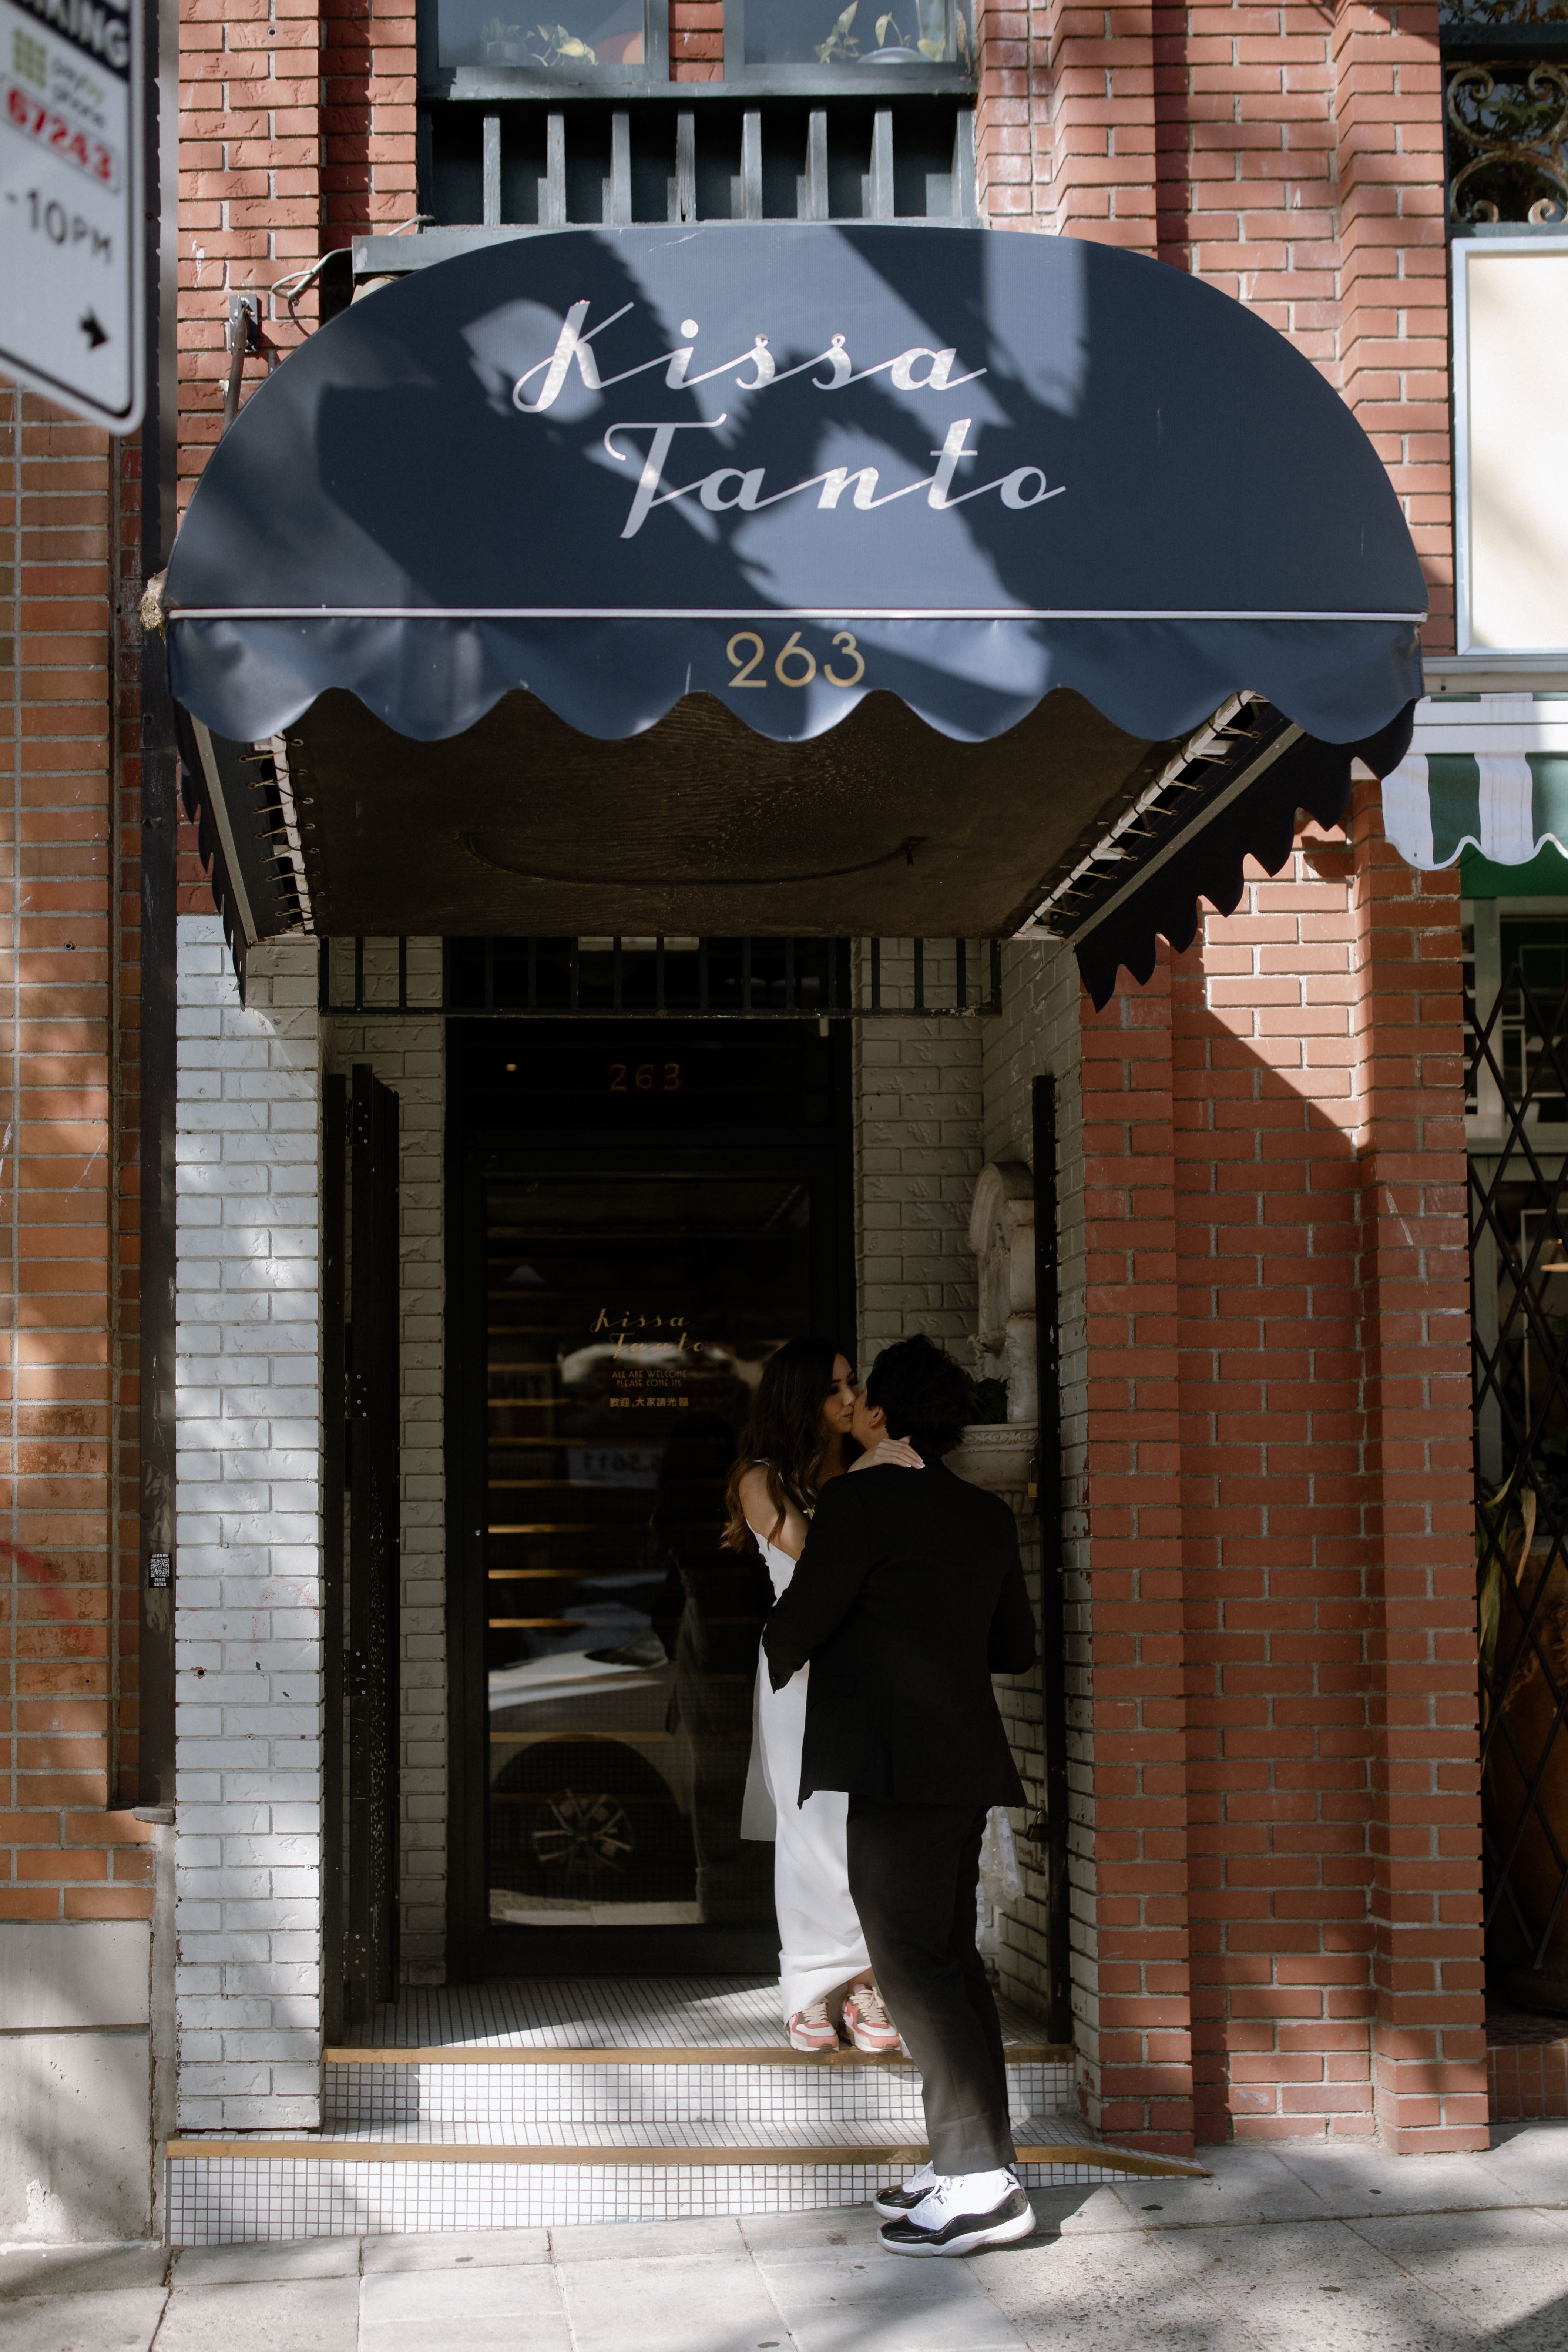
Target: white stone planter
point(996, 1455)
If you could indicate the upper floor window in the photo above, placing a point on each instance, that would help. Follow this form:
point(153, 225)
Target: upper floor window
point(515, 43)
point(1511, 389)
point(503, 47)
point(786, 39)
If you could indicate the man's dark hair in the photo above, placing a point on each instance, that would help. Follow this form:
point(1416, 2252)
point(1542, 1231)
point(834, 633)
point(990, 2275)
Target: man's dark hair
point(923, 1392)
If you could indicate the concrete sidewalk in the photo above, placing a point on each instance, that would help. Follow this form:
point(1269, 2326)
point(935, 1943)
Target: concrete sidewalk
point(1303, 2244)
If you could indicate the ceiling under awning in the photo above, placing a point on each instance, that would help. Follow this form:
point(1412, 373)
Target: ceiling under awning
point(783, 578)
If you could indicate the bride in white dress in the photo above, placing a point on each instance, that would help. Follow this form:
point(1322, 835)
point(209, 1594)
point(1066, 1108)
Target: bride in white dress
point(794, 1442)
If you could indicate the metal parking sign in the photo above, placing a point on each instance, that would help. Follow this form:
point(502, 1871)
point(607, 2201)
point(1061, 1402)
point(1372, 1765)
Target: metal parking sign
point(71, 204)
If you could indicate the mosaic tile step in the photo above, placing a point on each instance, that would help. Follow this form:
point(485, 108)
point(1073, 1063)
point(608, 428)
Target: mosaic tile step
point(523, 2101)
point(610, 2134)
point(518, 2102)
point(640, 2015)
point(228, 2192)
point(237, 2201)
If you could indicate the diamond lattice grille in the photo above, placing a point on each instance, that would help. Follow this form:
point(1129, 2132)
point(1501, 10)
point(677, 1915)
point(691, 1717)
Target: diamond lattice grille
point(1519, 1245)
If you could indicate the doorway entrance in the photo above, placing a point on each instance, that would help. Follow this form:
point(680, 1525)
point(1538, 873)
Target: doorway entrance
point(643, 1211)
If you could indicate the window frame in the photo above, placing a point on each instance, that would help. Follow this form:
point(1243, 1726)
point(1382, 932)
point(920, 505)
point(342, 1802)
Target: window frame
point(468, 83)
point(837, 80)
point(1533, 241)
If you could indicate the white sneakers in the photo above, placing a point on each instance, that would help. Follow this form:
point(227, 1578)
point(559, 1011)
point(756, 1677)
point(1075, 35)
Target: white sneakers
point(904, 2196)
point(958, 2214)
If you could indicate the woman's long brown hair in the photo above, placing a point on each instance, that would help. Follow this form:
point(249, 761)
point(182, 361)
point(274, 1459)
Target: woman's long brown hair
point(785, 1437)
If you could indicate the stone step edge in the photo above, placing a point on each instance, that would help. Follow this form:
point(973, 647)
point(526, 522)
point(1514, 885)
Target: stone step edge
point(1019, 2053)
point(1067, 2147)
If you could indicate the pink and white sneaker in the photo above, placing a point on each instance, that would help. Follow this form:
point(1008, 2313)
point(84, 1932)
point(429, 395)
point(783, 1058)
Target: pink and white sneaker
point(867, 2024)
point(812, 2029)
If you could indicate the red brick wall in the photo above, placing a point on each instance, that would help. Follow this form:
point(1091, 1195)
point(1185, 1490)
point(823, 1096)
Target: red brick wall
point(62, 1855)
point(1284, 1717)
point(1284, 1770)
point(696, 40)
point(250, 169)
point(1245, 161)
point(1064, 138)
point(1275, 1504)
point(125, 1202)
point(1102, 123)
point(369, 120)
point(1283, 1658)
point(1137, 2043)
point(1292, 157)
point(1430, 2059)
point(1393, 335)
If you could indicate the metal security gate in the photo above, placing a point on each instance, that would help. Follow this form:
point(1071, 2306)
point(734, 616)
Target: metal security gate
point(1518, 1126)
point(764, 978)
point(360, 1452)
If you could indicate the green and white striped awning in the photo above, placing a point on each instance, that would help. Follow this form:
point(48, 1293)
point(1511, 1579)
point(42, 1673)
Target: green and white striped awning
point(1507, 805)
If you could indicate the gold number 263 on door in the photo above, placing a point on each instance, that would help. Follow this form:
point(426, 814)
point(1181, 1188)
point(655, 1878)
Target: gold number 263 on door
point(793, 664)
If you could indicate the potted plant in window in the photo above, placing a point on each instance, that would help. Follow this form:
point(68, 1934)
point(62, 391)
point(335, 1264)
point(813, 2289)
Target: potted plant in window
point(561, 47)
point(841, 45)
point(927, 47)
point(501, 45)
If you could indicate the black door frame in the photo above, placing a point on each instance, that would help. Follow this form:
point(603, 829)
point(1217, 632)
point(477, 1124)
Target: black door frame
point(361, 1405)
point(475, 1947)
point(1051, 1829)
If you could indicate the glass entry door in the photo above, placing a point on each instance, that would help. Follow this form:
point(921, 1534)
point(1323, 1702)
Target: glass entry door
point(621, 1294)
point(629, 1318)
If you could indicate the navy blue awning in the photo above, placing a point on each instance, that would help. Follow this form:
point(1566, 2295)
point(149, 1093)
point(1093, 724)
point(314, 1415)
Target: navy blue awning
point(794, 474)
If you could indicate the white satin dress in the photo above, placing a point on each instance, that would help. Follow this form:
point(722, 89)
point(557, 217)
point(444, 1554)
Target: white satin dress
point(821, 1945)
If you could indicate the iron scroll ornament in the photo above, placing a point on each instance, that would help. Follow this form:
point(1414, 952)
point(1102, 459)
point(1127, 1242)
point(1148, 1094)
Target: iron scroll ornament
point(1509, 118)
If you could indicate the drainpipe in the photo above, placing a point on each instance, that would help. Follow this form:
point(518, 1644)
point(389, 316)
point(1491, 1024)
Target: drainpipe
point(160, 766)
point(155, 1779)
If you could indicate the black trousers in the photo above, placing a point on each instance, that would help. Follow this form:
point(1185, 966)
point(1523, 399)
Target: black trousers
point(912, 1873)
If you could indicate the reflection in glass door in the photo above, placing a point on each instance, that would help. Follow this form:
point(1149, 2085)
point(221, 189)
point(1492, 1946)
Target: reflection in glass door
point(628, 1319)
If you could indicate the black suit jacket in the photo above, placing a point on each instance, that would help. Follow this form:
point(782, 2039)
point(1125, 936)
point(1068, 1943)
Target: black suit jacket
point(908, 1598)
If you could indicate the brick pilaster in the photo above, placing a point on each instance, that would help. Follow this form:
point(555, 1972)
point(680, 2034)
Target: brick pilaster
point(1102, 67)
point(250, 189)
point(1134, 1987)
point(1428, 2048)
point(1275, 1504)
point(1011, 115)
point(1393, 333)
point(369, 119)
point(1245, 160)
point(63, 1855)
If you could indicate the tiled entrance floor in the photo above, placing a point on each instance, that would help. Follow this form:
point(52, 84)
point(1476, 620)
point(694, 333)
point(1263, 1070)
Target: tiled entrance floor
point(1527, 2065)
point(561, 2101)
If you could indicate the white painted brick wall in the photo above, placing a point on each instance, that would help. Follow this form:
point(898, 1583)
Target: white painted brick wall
point(1039, 1033)
point(934, 1101)
point(247, 1537)
point(408, 1055)
point(917, 1154)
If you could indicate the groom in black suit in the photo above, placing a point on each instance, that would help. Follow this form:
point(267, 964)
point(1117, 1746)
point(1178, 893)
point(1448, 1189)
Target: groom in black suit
point(908, 1598)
